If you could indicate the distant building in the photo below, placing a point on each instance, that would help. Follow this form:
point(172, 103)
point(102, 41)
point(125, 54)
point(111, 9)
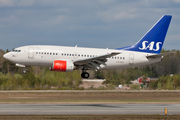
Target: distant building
point(140, 80)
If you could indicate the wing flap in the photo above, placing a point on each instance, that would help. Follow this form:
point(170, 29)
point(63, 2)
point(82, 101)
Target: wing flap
point(98, 58)
point(94, 62)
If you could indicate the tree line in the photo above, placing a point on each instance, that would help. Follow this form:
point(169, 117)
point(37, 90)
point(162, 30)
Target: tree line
point(167, 72)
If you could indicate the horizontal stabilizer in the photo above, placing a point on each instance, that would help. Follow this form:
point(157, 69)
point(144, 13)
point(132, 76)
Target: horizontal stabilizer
point(160, 55)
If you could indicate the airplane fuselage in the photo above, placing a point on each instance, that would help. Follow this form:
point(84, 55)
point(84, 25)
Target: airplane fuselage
point(43, 55)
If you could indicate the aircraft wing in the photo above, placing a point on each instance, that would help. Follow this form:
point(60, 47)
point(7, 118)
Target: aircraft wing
point(94, 62)
point(159, 55)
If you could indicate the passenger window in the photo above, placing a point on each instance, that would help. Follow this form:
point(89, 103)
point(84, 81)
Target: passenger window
point(36, 52)
point(56, 54)
point(87, 55)
point(47, 53)
point(50, 53)
point(123, 58)
point(90, 55)
point(69, 54)
point(84, 55)
point(44, 53)
point(53, 53)
point(72, 54)
point(79, 55)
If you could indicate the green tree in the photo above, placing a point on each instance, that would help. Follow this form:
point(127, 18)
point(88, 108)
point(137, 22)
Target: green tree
point(31, 79)
point(99, 74)
point(153, 84)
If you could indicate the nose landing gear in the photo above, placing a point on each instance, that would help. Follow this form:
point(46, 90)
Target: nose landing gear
point(24, 70)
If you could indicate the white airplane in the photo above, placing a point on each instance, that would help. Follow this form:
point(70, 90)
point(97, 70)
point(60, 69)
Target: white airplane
point(65, 59)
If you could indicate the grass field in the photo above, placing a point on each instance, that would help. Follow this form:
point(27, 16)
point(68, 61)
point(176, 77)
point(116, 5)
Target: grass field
point(89, 96)
point(89, 117)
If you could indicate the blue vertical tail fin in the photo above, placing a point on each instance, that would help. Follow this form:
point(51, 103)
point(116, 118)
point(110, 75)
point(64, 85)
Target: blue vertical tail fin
point(153, 40)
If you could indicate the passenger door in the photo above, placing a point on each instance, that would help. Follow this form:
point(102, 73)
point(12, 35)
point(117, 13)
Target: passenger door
point(131, 59)
point(31, 52)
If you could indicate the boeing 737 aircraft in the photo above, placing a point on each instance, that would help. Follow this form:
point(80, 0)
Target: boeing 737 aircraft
point(65, 59)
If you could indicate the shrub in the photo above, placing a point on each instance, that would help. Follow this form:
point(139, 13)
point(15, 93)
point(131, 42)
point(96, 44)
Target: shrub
point(153, 84)
point(135, 87)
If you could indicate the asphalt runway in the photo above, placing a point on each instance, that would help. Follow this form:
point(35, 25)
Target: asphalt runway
point(28, 109)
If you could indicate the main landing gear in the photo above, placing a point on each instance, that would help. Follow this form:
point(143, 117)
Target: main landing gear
point(84, 74)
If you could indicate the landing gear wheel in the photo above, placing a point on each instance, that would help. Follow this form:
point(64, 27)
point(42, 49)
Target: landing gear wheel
point(85, 75)
point(24, 71)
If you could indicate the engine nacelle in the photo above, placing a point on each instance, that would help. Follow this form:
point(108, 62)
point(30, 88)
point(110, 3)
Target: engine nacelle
point(62, 66)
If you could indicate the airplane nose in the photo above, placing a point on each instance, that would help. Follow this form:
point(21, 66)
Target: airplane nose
point(6, 56)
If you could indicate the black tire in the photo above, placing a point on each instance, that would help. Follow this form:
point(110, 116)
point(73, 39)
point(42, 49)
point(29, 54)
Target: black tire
point(85, 75)
point(82, 75)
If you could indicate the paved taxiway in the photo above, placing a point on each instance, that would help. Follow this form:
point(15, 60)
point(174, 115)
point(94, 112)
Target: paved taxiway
point(89, 108)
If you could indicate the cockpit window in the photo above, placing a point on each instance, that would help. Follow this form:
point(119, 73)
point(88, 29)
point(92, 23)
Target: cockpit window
point(16, 50)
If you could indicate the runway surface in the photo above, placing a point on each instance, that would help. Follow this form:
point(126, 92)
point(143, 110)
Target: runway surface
point(89, 109)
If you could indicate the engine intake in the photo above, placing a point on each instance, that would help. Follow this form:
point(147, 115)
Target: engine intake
point(62, 66)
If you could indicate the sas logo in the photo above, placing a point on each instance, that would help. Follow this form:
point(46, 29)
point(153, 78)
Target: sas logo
point(150, 46)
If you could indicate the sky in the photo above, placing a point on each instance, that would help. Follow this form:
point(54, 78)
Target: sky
point(86, 23)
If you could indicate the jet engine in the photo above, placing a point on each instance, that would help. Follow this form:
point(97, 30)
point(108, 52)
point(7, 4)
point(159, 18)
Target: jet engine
point(62, 66)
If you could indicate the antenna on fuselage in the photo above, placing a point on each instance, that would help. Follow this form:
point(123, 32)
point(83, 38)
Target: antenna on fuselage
point(76, 46)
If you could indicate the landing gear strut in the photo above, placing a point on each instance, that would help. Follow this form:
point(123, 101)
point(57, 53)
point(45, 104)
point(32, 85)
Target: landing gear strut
point(85, 74)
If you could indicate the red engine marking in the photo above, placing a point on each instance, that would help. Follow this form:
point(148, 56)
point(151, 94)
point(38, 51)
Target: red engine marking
point(59, 65)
